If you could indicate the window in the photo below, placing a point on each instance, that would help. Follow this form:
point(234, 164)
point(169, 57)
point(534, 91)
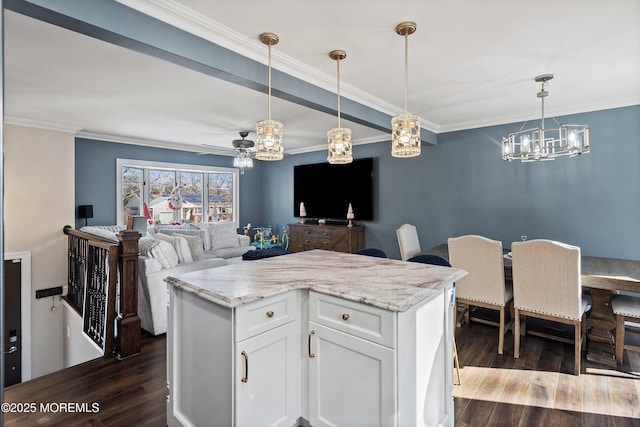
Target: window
point(140, 182)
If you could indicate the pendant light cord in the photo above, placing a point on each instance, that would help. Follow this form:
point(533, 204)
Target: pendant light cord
point(338, 61)
point(269, 97)
point(544, 96)
point(406, 70)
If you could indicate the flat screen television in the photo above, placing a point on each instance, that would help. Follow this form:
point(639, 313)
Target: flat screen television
point(327, 190)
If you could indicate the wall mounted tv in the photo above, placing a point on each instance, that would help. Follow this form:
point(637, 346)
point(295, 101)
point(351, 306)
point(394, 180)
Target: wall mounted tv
point(327, 190)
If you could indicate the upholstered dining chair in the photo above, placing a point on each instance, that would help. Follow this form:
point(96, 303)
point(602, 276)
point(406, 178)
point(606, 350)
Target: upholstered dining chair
point(408, 241)
point(547, 285)
point(438, 260)
point(626, 308)
point(484, 285)
point(375, 252)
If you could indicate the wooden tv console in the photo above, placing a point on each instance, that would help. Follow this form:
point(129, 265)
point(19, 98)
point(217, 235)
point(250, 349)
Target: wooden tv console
point(339, 238)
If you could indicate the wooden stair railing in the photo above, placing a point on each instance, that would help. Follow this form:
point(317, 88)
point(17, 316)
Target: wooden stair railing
point(103, 289)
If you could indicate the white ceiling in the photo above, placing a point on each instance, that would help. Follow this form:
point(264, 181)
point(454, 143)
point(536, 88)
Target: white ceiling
point(471, 64)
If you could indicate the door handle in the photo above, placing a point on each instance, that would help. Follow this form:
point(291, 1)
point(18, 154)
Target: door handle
point(245, 356)
point(311, 355)
point(12, 349)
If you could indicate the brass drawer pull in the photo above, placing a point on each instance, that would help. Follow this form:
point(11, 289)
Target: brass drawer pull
point(270, 314)
point(345, 316)
point(246, 367)
point(311, 355)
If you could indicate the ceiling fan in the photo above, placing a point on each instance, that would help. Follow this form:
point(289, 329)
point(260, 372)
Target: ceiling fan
point(241, 147)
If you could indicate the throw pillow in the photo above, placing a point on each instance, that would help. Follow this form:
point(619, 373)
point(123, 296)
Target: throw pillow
point(206, 239)
point(223, 235)
point(195, 246)
point(179, 244)
point(159, 250)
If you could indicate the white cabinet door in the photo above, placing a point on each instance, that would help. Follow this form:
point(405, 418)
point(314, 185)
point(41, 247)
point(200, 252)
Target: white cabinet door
point(351, 380)
point(267, 380)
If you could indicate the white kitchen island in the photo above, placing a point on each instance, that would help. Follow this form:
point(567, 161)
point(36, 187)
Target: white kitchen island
point(314, 338)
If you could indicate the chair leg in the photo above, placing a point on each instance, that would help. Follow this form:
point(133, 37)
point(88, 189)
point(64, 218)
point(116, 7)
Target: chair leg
point(619, 338)
point(455, 359)
point(501, 338)
point(511, 313)
point(455, 316)
point(577, 347)
point(516, 334)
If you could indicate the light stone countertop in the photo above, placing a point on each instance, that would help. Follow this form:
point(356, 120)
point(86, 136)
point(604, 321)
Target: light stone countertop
point(390, 284)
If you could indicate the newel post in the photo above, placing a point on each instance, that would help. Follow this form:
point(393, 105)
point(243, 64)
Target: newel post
point(128, 320)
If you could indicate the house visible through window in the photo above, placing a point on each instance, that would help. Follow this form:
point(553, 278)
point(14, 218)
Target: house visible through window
point(142, 182)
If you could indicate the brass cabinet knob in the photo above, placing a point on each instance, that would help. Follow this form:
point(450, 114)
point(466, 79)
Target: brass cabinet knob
point(270, 314)
point(345, 316)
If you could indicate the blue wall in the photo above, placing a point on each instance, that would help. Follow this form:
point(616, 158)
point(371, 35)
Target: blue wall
point(461, 186)
point(95, 163)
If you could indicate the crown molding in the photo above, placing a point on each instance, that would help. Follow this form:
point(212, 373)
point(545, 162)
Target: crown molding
point(155, 144)
point(39, 124)
point(175, 14)
point(504, 120)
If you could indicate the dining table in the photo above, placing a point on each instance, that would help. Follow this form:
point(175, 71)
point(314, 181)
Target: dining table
point(601, 277)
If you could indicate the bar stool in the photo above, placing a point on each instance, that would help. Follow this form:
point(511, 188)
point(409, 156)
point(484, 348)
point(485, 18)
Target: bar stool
point(627, 309)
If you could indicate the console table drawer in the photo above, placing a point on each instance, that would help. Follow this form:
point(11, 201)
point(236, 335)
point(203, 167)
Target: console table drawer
point(361, 320)
point(260, 316)
point(305, 237)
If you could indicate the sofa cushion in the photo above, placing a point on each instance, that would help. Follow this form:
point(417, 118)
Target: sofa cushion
point(223, 235)
point(159, 250)
point(180, 245)
point(227, 253)
point(206, 239)
point(195, 245)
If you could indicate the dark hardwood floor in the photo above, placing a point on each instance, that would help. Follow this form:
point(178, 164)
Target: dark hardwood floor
point(129, 392)
point(536, 390)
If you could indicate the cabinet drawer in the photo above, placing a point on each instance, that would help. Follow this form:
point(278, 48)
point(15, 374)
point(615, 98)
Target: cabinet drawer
point(260, 316)
point(364, 321)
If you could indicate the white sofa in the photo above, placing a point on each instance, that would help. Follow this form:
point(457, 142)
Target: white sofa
point(170, 250)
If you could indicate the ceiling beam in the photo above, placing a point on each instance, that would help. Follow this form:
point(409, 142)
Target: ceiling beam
point(120, 25)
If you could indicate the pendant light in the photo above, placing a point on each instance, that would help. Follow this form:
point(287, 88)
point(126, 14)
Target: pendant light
point(269, 132)
point(339, 138)
point(405, 128)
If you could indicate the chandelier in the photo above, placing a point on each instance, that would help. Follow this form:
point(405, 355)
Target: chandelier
point(405, 128)
point(339, 138)
point(539, 144)
point(269, 132)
